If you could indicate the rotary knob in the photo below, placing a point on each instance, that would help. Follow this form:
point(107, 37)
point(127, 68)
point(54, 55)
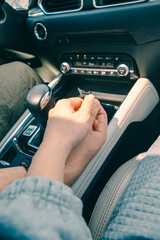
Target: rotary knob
point(122, 70)
point(65, 67)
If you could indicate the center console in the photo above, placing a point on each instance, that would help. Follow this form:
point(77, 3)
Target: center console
point(113, 80)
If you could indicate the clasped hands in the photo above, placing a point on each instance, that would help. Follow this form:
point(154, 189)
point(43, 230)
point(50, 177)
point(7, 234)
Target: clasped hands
point(76, 130)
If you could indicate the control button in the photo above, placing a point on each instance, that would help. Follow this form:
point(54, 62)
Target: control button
point(82, 72)
point(92, 58)
point(65, 67)
point(77, 64)
point(96, 73)
point(75, 71)
point(108, 58)
point(29, 131)
point(100, 58)
point(110, 65)
point(89, 72)
point(117, 58)
point(101, 64)
point(84, 63)
point(103, 73)
point(71, 58)
point(112, 74)
point(84, 57)
point(92, 64)
point(77, 56)
point(122, 70)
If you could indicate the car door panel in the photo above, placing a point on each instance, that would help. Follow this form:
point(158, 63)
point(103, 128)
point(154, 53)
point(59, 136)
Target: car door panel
point(12, 30)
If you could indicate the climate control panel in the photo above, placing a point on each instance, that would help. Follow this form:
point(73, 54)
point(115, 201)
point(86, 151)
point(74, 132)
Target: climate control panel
point(104, 65)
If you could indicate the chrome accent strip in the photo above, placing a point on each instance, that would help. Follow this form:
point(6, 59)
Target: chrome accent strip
point(94, 69)
point(118, 4)
point(4, 163)
point(55, 81)
point(5, 16)
point(51, 13)
point(19, 149)
point(21, 55)
point(99, 70)
point(45, 99)
point(32, 13)
point(35, 14)
point(18, 128)
point(30, 140)
point(36, 33)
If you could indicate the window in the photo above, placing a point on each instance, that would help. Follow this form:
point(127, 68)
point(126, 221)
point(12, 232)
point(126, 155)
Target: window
point(18, 4)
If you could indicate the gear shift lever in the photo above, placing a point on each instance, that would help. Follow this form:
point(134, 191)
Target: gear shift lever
point(39, 101)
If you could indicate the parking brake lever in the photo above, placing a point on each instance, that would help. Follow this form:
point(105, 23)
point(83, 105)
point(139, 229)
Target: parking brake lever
point(39, 101)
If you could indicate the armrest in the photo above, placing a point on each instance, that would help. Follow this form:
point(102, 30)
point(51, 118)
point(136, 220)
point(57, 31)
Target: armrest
point(138, 104)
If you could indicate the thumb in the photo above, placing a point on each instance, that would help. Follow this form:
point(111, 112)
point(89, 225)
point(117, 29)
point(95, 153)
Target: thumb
point(95, 110)
point(90, 107)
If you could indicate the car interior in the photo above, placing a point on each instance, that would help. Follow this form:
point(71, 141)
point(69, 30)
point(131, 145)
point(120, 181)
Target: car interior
point(110, 48)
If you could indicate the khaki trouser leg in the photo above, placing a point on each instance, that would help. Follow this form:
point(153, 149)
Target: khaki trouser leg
point(16, 79)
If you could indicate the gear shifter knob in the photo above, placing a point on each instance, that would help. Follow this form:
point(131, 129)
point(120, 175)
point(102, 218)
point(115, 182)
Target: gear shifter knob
point(39, 101)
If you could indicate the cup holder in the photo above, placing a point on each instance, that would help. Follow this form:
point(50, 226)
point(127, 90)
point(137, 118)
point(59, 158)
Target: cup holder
point(110, 110)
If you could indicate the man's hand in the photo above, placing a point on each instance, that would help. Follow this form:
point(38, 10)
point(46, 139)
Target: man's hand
point(9, 175)
point(87, 149)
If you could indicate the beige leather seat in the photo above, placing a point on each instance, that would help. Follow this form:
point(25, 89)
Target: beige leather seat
point(110, 196)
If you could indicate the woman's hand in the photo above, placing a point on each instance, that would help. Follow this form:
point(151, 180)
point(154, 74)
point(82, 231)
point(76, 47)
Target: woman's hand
point(68, 124)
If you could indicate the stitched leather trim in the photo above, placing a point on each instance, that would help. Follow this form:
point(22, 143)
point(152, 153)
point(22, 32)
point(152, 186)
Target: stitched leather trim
point(107, 209)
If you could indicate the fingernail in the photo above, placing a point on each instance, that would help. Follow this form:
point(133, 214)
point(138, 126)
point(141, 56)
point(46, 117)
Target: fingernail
point(90, 96)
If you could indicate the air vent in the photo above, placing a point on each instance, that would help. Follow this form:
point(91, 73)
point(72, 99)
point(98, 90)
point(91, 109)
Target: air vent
point(111, 3)
point(60, 6)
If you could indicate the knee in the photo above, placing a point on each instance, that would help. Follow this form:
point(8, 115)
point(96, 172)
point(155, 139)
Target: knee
point(20, 67)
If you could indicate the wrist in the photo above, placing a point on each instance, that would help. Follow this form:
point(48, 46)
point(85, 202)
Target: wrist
point(22, 171)
point(59, 146)
point(49, 161)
